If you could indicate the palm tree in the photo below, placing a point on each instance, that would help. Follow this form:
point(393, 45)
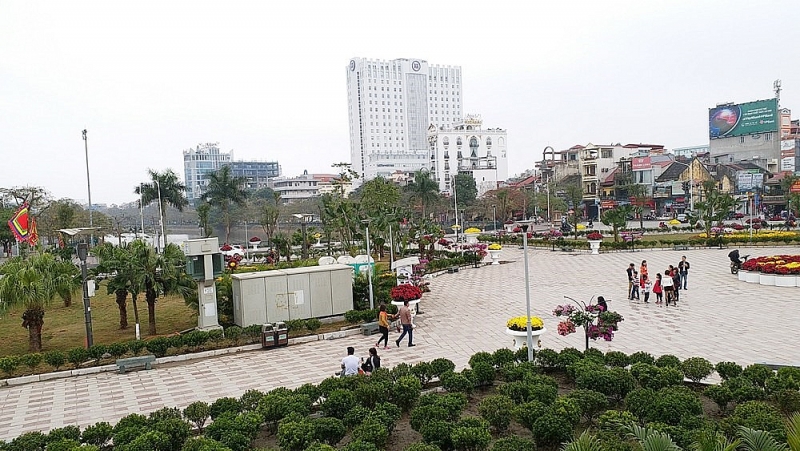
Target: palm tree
point(424, 190)
point(585, 442)
point(714, 441)
point(652, 440)
point(24, 283)
point(168, 186)
point(155, 273)
point(116, 261)
point(753, 440)
point(224, 191)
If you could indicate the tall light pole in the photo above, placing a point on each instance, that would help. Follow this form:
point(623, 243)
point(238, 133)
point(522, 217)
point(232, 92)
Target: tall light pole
point(494, 218)
point(161, 215)
point(141, 210)
point(83, 252)
point(88, 184)
point(369, 265)
point(529, 329)
point(303, 222)
point(455, 205)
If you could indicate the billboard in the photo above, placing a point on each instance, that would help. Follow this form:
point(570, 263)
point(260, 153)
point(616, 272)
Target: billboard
point(745, 119)
point(748, 181)
point(640, 163)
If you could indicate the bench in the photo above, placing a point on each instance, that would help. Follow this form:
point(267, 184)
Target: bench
point(369, 328)
point(680, 247)
point(567, 249)
point(452, 269)
point(134, 362)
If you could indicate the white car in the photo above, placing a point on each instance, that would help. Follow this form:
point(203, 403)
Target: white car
point(235, 250)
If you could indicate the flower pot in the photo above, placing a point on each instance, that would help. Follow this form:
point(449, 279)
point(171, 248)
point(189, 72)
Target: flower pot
point(495, 255)
point(785, 280)
point(595, 246)
point(521, 337)
point(766, 279)
point(472, 238)
point(255, 244)
point(753, 276)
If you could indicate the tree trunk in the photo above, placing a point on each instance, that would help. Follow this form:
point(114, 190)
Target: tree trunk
point(135, 310)
point(150, 297)
point(122, 297)
point(33, 320)
point(68, 299)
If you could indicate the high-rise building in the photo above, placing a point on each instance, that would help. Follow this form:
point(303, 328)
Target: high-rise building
point(391, 104)
point(199, 163)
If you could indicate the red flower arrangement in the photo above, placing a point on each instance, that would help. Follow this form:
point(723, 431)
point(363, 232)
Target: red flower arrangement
point(405, 292)
point(225, 247)
point(517, 229)
point(594, 236)
point(255, 239)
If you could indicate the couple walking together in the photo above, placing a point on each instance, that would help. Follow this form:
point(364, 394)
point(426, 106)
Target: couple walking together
point(405, 321)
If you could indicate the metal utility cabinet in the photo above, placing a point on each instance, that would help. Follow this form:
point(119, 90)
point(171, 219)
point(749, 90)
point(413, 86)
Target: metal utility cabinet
point(287, 294)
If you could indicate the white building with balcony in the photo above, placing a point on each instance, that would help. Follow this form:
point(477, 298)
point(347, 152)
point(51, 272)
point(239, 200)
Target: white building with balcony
point(468, 148)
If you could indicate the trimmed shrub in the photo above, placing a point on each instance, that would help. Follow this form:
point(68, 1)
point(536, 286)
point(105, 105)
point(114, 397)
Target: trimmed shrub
point(355, 416)
point(470, 438)
point(224, 405)
point(295, 433)
point(672, 404)
point(176, 429)
point(371, 431)
point(328, 430)
point(338, 403)
point(359, 445)
point(547, 359)
point(136, 346)
point(728, 370)
point(638, 401)
point(371, 392)
point(234, 333)
point(513, 443)
point(697, 368)
point(483, 373)
point(517, 372)
point(788, 401)
point(613, 382)
point(457, 383)
point(568, 409)
point(526, 414)
point(757, 415)
point(197, 413)
point(159, 346)
point(551, 430)
point(641, 357)
point(117, 350)
point(668, 360)
point(616, 358)
point(653, 377)
point(568, 356)
point(275, 406)
point(590, 402)
point(126, 435)
point(31, 360)
point(406, 391)
point(594, 355)
point(400, 370)
point(758, 374)
point(544, 393)
point(98, 434)
point(517, 391)
point(388, 414)
point(496, 410)
point(423, 371)
point(540, 379)
point(63, 444)
point(311, 391)
point(250, 399)
point(203, 444)
point(422, 414)
point(77, 356)
point(483, 357)
point(313, 324)
point(521, 354)
point(148, 440)
point(29, 441)
point(452, 403)
point(235, 431)
point(165, 413)
point(720, 394)
point(216, 335)
point(743, 389)
point(96, 352)
point(503, 356)
point(438, 433)
point(56, 359)
point(422, 447)
point(65, 433)
point(133, 420)
point(616, 422)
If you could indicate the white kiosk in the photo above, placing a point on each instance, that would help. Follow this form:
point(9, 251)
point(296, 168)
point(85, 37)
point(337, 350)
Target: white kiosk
point(204, 262)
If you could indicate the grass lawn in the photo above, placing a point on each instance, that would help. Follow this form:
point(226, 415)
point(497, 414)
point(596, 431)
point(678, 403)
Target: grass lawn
point(64, 327)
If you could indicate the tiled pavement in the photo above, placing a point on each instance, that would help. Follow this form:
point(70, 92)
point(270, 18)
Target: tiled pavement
point(718, 318)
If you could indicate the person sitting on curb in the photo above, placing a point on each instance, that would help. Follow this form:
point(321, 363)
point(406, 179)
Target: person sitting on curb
point(350, 363)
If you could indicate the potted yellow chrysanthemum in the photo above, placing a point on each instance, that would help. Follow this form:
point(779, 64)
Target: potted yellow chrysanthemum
point(517, 327)
point(494, 252)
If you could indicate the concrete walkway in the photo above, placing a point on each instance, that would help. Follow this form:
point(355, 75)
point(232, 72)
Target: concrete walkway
point(718, 318)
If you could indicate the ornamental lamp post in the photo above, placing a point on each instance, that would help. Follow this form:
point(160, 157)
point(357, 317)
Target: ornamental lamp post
point(83, 252)
point(524, 225)
point(369, 264)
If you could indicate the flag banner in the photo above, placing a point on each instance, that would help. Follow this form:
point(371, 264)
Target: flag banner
point(19, 223)
point(33, 236)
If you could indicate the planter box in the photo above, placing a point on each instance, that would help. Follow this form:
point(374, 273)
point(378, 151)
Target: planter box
point(766, 279)
point(521, 337)
point(753, 276)
point(789, 280)
point(743, 275)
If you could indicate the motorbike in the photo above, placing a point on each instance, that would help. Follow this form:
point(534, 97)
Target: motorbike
point(662, 225)
point(736, 261)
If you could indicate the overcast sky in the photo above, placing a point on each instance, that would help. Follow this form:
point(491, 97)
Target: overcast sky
point(267, 79)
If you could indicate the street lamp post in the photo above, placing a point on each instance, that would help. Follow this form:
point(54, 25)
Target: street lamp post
point(528, 326)
point(369, 265)
point(455, 204)
point(494, 218)
point(88, 184)
point(83, 252)
point(160, 216)
point(303, 222)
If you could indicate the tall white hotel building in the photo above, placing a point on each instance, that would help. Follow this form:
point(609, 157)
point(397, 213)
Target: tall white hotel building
point(391, 105)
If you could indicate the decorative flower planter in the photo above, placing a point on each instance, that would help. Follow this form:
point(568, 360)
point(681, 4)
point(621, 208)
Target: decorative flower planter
point(411, 305)
point(753, 277)
point(766, 279)
point(743, 275)
point(255, 244)
point(495, 255)
point(595, 246)
point(521, 337)
point(472, 238)
point(785, 280)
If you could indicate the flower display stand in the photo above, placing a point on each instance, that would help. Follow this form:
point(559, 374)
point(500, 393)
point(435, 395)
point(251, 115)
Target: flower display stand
point(766, 279)
point(411, 305)
point(495, 255)
point(785, 280)
point(595, 246)
point(255, 244)
point(753, 277)
point(472, 238)
point(743, 275)
point(521, 337)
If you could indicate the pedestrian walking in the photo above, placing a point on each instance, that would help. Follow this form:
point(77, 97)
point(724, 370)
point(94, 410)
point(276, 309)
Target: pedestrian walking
point(635, 286)
point(383, 326)
point(676, 282)
point(405, 321)
point(643, 270)
point(658, 290)
point(667, 285)
point(631, 269)
point(683, 270)
point(646, 286)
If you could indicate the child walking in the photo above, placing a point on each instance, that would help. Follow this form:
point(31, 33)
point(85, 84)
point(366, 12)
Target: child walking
point(657, 289)
point(635, 288)
point(646, 285)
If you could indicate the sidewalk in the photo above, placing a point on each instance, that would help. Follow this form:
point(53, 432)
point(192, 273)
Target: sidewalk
point(718, 318)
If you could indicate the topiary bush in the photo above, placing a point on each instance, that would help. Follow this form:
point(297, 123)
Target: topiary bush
point(696, 368)
point(568, 356)
point(744, 389)
point(355, 416)
point(295, 433)
point(136, 346)
point(234, 333)
point(203, 444)
point(496, 410)
point(77, 356)
point(720, 394)
point(197, 413)
point(641, 357)
point(165, 413)
point(653, 377)
point(483, 357)
point(668, 360)
point(616, 358)
point(513, 443)
point(175, 428)
point(547, 359)
point(438, 433)
point(551, 430)
point(526, 414)
point(441, 366)
point(224, 405)
point(423, 371)
point(638, 401)
point(56, 359)
point(616, 422)
point(358, 445)
point(758, 374)
point(756, 415)
point(405, 392)
point(591, 403)
point(159, 346)
point(470, 438)
point(117, 350)
point(594, 355)
point(338, 403)
point(371, 431)
point(31, 360)
point(422, 447)
point(328, 430)
point(788, 401)
point(544, 393)
point(313, 324)
point(670, 405)
point(483, 374)
point(96, 352)
point(98, 434)
point(457, 383)
point(371, 392)
point(65, 433)
point(503, 356)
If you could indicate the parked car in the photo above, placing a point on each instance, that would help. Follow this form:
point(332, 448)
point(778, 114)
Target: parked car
point(235, 250)
point(682, 217)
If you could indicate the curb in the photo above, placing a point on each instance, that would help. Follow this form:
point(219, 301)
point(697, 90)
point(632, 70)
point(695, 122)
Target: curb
point(22, 380)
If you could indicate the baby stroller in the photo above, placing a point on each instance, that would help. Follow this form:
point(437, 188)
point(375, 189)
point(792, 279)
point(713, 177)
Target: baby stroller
point(736, 261)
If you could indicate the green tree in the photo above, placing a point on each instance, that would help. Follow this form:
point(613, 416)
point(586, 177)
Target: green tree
point(28, 282)
point(223, 192)
point(203, 218)
point(153, 274)
point(424, 191)
point(118, 262)
point(616, 218)
point(574, 196)
point(269, 212)
point(379, 201)
point(165, 188)
point(639, 193)
point(714, 207)
point(792, 199)
point(467, 190)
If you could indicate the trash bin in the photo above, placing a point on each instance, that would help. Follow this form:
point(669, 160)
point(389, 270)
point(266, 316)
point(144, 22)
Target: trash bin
point(281, 334)
point(268, 336)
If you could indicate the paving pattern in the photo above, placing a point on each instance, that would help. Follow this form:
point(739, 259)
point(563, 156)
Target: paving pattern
point(718, 318)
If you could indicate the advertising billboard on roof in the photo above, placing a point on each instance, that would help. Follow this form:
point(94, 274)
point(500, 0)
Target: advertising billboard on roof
point(744, 119)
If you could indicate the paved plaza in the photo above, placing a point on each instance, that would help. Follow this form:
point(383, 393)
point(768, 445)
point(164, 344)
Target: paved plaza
point(718, 317)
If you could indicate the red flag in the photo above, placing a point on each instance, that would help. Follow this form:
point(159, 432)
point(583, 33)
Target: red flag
point(19, 223)
point(33, 236)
